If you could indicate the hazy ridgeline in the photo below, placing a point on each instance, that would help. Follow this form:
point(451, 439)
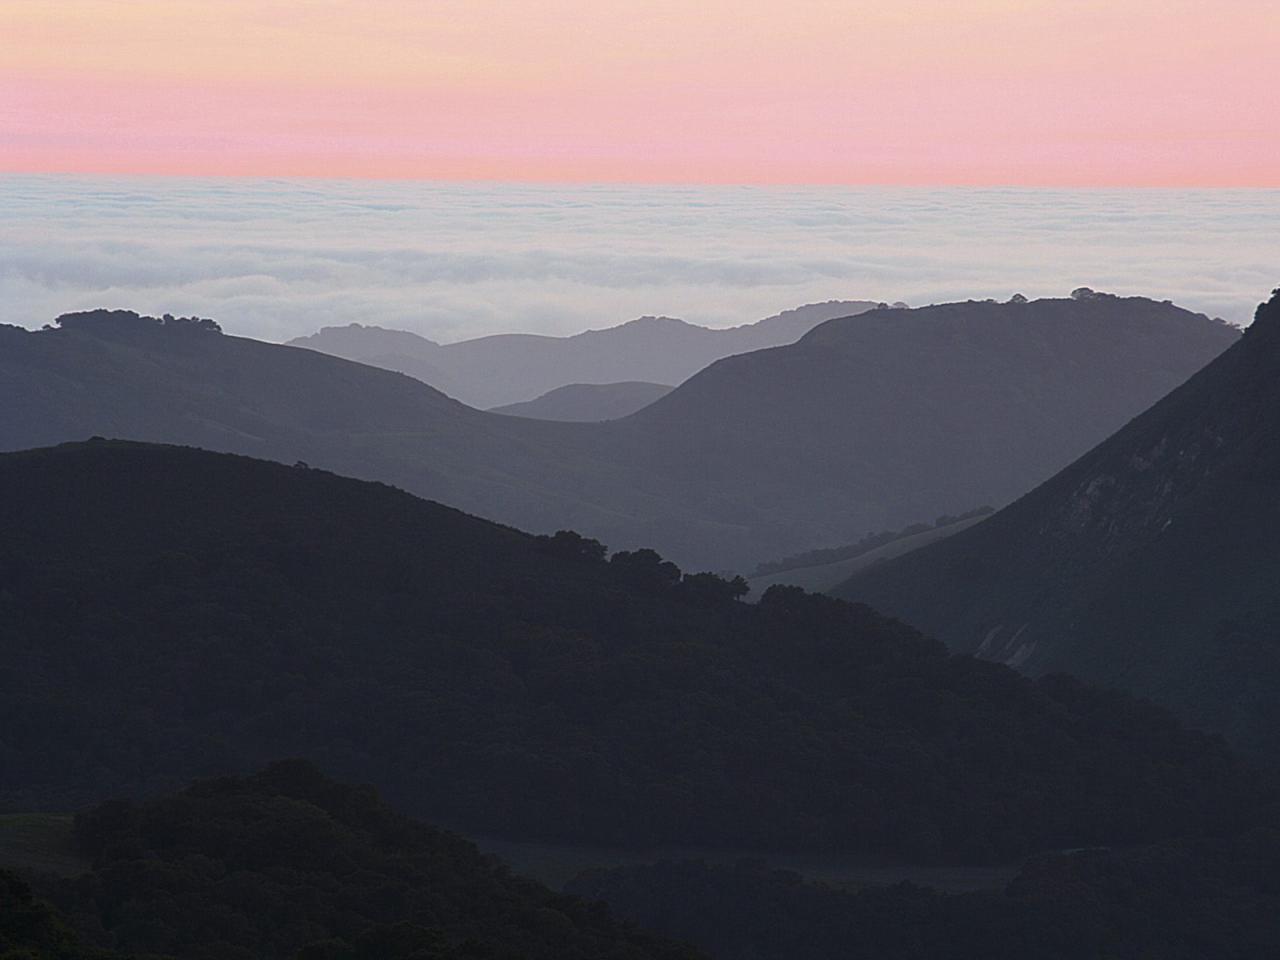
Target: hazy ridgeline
point(518, 368)
point(867, 422)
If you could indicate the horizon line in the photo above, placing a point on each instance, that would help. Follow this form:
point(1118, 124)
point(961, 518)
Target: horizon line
point(551, 181)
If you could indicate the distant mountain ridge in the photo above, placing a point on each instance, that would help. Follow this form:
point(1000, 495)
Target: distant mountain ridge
point(511, 368)
point(1152, 563)
point(588, 402)
point(874, 421)
point(867, 423)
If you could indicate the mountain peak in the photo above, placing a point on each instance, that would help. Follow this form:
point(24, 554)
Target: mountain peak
point(369, 335)
point(650, 321)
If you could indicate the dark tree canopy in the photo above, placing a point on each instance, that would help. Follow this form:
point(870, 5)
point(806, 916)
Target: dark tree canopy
point(123, 321)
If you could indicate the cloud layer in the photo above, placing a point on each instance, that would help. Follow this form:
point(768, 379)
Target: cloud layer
point(276, 259)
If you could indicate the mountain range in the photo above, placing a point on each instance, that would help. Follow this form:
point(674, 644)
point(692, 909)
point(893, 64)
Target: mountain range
point(868, 422)
point(885, 419)
point(512, 368)
point(1152, 563)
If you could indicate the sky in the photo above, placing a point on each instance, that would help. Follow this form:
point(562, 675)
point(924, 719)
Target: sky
point(926, 92)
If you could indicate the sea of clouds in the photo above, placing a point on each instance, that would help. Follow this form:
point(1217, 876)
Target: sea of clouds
point(276, 259)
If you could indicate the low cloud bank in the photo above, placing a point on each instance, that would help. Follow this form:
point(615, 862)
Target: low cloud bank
point(276, 259)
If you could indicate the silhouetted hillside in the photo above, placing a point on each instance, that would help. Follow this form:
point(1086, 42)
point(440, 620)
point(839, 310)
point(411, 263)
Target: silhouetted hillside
point(867, 423)
point(588, 402)
point(1152, 563)
point(288, 864)
point(513, 368)
point(170, 613)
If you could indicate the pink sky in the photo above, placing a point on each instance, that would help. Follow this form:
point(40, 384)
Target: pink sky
point(1062, 92)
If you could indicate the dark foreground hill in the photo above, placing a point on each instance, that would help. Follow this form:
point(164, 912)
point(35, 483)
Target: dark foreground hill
point(515, 367)
point(288, 864)
point(1178, 900)
point(588, 402)
point(1152, 563)
point(169, 613)
point(867, 423)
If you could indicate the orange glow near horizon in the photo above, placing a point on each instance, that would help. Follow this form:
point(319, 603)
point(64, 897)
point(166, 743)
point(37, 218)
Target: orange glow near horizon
point(1055, 92)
